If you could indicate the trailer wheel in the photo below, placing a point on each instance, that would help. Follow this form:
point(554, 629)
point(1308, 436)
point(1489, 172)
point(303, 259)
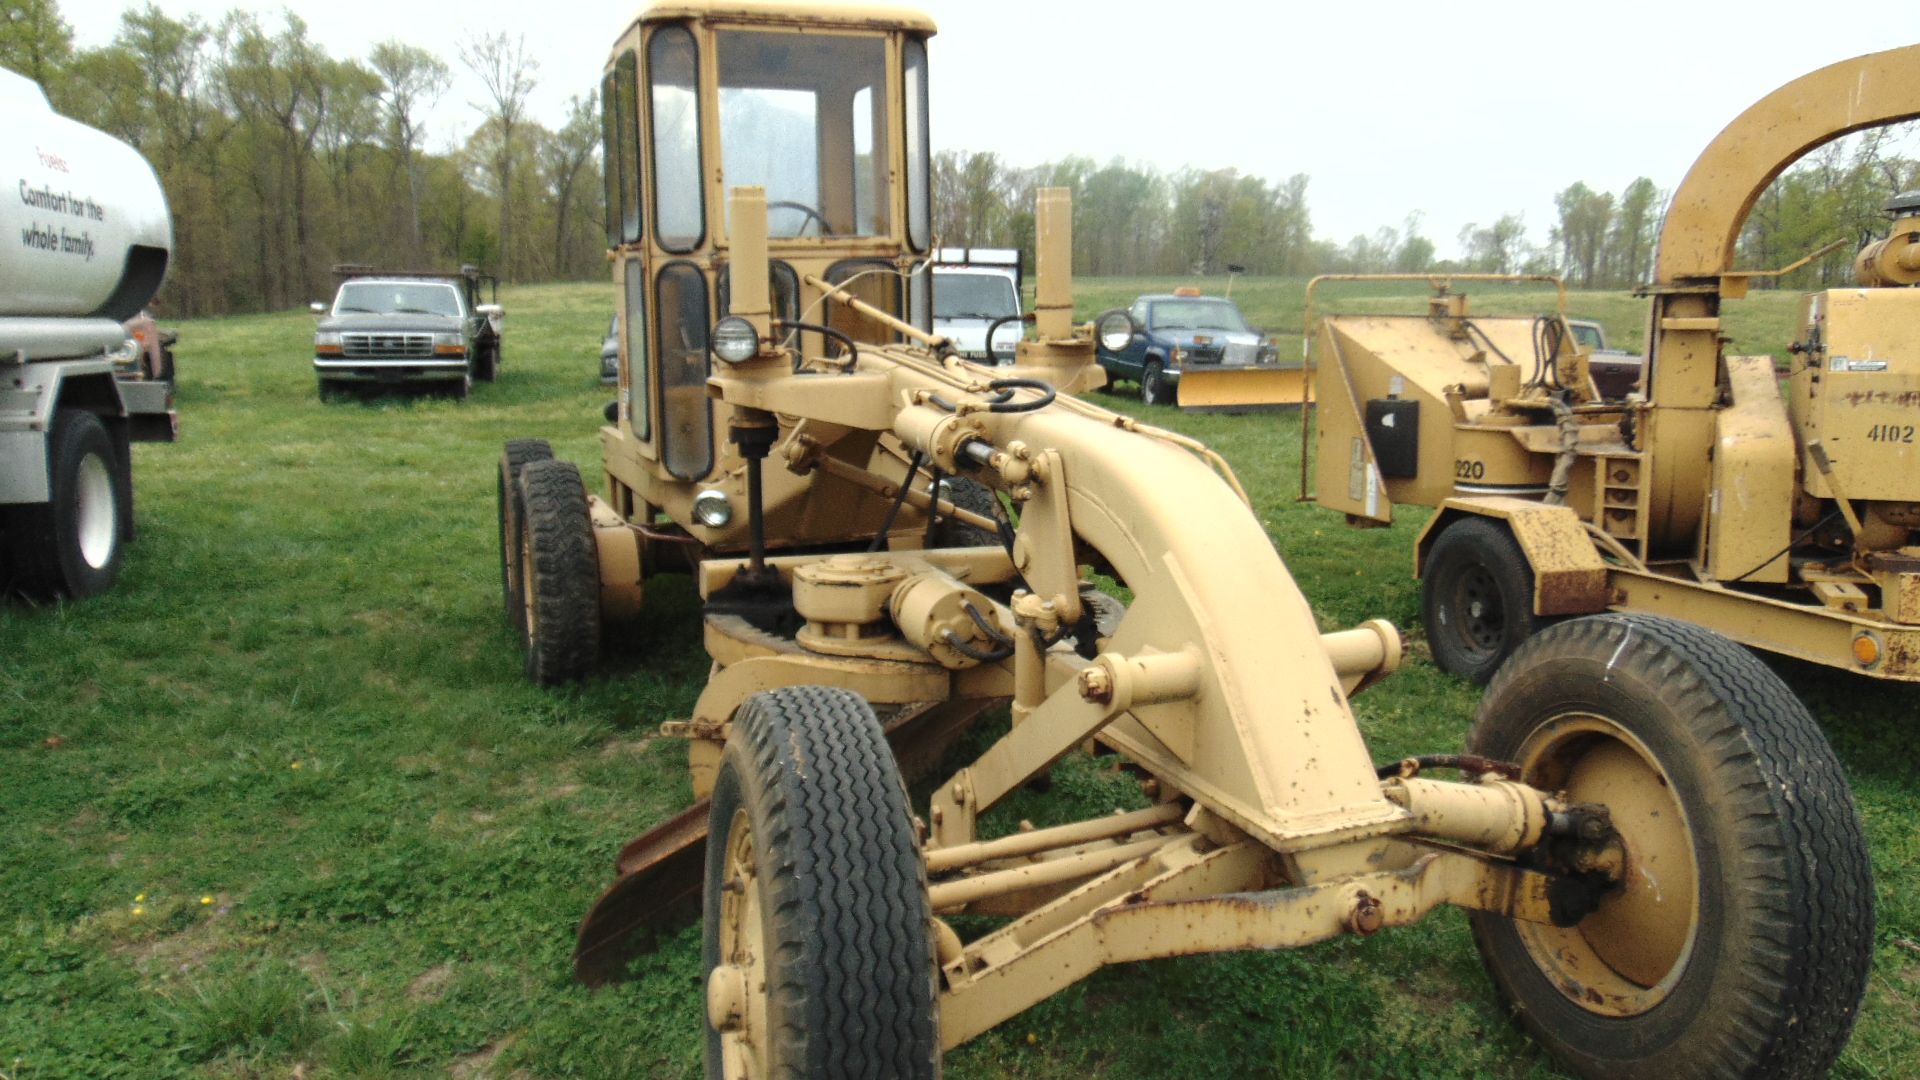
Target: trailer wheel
point(1740, 942)
point(1477, 598)
point(559, 575)
point(517, 455)
point(1153, 385)
point(818, 957)
point(72, 544)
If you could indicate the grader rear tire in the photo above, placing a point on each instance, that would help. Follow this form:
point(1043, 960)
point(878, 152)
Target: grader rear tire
point(1740, 943)
point(517, 455)
point(560, 575)
point(818, 957)
point(1477, 598)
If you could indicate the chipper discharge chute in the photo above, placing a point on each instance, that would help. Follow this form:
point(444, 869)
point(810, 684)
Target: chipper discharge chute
point(1788, 522)
point(1648, 904)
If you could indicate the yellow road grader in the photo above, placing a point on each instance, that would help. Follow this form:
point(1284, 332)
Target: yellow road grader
point(1663, 867)
point(1785, 521)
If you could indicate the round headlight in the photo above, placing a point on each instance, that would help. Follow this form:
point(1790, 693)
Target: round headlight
point(712, 508)
point(734, 339)
point(1115, 330)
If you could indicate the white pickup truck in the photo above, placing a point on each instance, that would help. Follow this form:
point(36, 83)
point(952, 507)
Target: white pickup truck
point(85, 238)
point(973, 289)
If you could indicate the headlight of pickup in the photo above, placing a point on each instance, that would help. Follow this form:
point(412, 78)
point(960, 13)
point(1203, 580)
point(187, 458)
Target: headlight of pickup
point(1177, 355)
point(447, 339)
point(324, 341)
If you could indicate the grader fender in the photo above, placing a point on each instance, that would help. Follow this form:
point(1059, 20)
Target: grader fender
point(1569, 577)
point(1241, 389)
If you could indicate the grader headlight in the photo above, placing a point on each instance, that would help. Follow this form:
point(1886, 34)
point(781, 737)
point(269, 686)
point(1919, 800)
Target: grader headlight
point(1115, 329)
point(734, 340)
point(712, 508)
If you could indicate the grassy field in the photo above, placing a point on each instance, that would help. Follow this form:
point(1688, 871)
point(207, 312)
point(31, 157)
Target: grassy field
point(282, 805)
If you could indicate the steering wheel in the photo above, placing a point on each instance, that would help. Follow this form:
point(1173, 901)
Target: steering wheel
point(786, 204)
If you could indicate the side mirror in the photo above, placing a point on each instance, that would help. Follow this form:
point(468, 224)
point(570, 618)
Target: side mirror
point(1115, 329)
point(491, 311)
point(317, 308)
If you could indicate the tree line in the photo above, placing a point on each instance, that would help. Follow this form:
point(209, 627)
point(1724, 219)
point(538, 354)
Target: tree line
point(280, 160)
point(1134, 220)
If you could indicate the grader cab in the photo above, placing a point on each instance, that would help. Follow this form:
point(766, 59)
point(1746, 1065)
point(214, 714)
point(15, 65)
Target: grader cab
point(1622, 867)
point(1787, 523)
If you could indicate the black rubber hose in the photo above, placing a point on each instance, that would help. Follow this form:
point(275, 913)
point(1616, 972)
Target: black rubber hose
point(853, 350)
point(1047, 395)
point(986, 626)
point(899, 499)
point(992, 357)
point(963, 648)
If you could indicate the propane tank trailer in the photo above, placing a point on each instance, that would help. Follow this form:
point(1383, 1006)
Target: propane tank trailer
point(85, 238)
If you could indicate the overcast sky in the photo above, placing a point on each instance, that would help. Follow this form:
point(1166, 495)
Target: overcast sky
point(1460, 111)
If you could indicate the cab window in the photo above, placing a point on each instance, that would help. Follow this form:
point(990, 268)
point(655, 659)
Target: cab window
point(874, 281)
point(639, 375)
point(783, 288)
point(610, 150)
point(686, 413)
point(673, 103)
point(919, 213)
point(625, 103)
point(805, 117)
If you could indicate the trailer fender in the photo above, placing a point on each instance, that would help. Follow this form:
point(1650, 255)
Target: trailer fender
point(1569, 577)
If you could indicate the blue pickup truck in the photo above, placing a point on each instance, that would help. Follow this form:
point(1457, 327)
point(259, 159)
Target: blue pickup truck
point(1177, 330)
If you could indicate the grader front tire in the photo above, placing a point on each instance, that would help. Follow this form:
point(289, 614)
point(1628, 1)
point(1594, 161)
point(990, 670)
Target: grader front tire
point(818, 957)
point(1740, 940)
point(560, 574)
point(517, 455)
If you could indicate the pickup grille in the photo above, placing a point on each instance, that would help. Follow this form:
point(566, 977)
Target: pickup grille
point(1239, 354)
point(386, 346)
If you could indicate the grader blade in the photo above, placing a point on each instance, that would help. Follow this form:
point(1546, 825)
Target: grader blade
point(657, 890)
point(1241, 389)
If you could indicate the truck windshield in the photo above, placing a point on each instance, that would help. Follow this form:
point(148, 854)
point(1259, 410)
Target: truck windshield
point(973, 296)
point(1196, 315)
point(806, 117)
point(397, 298)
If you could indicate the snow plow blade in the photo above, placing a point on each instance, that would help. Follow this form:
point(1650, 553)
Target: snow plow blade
point(1241, 389)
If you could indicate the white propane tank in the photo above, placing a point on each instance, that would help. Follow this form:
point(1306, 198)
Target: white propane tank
point(84, 227)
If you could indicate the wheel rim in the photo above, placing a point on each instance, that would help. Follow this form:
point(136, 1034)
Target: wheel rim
point(737, 985)
point(509, 531)
point(1625, 957)
point(1480, 618)
point(1150, 386)
point(95, 520)
point(526, 589)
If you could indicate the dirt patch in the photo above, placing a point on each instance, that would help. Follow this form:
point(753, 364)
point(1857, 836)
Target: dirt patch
point(184, 951)
point(430, 984)
point(482, 1064)
point(626, 747)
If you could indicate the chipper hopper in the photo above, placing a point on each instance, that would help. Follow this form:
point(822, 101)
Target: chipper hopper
point(1661, 861)
point(1789, 522)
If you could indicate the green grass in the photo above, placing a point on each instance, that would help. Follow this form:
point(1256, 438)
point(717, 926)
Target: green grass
point(302, 703)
